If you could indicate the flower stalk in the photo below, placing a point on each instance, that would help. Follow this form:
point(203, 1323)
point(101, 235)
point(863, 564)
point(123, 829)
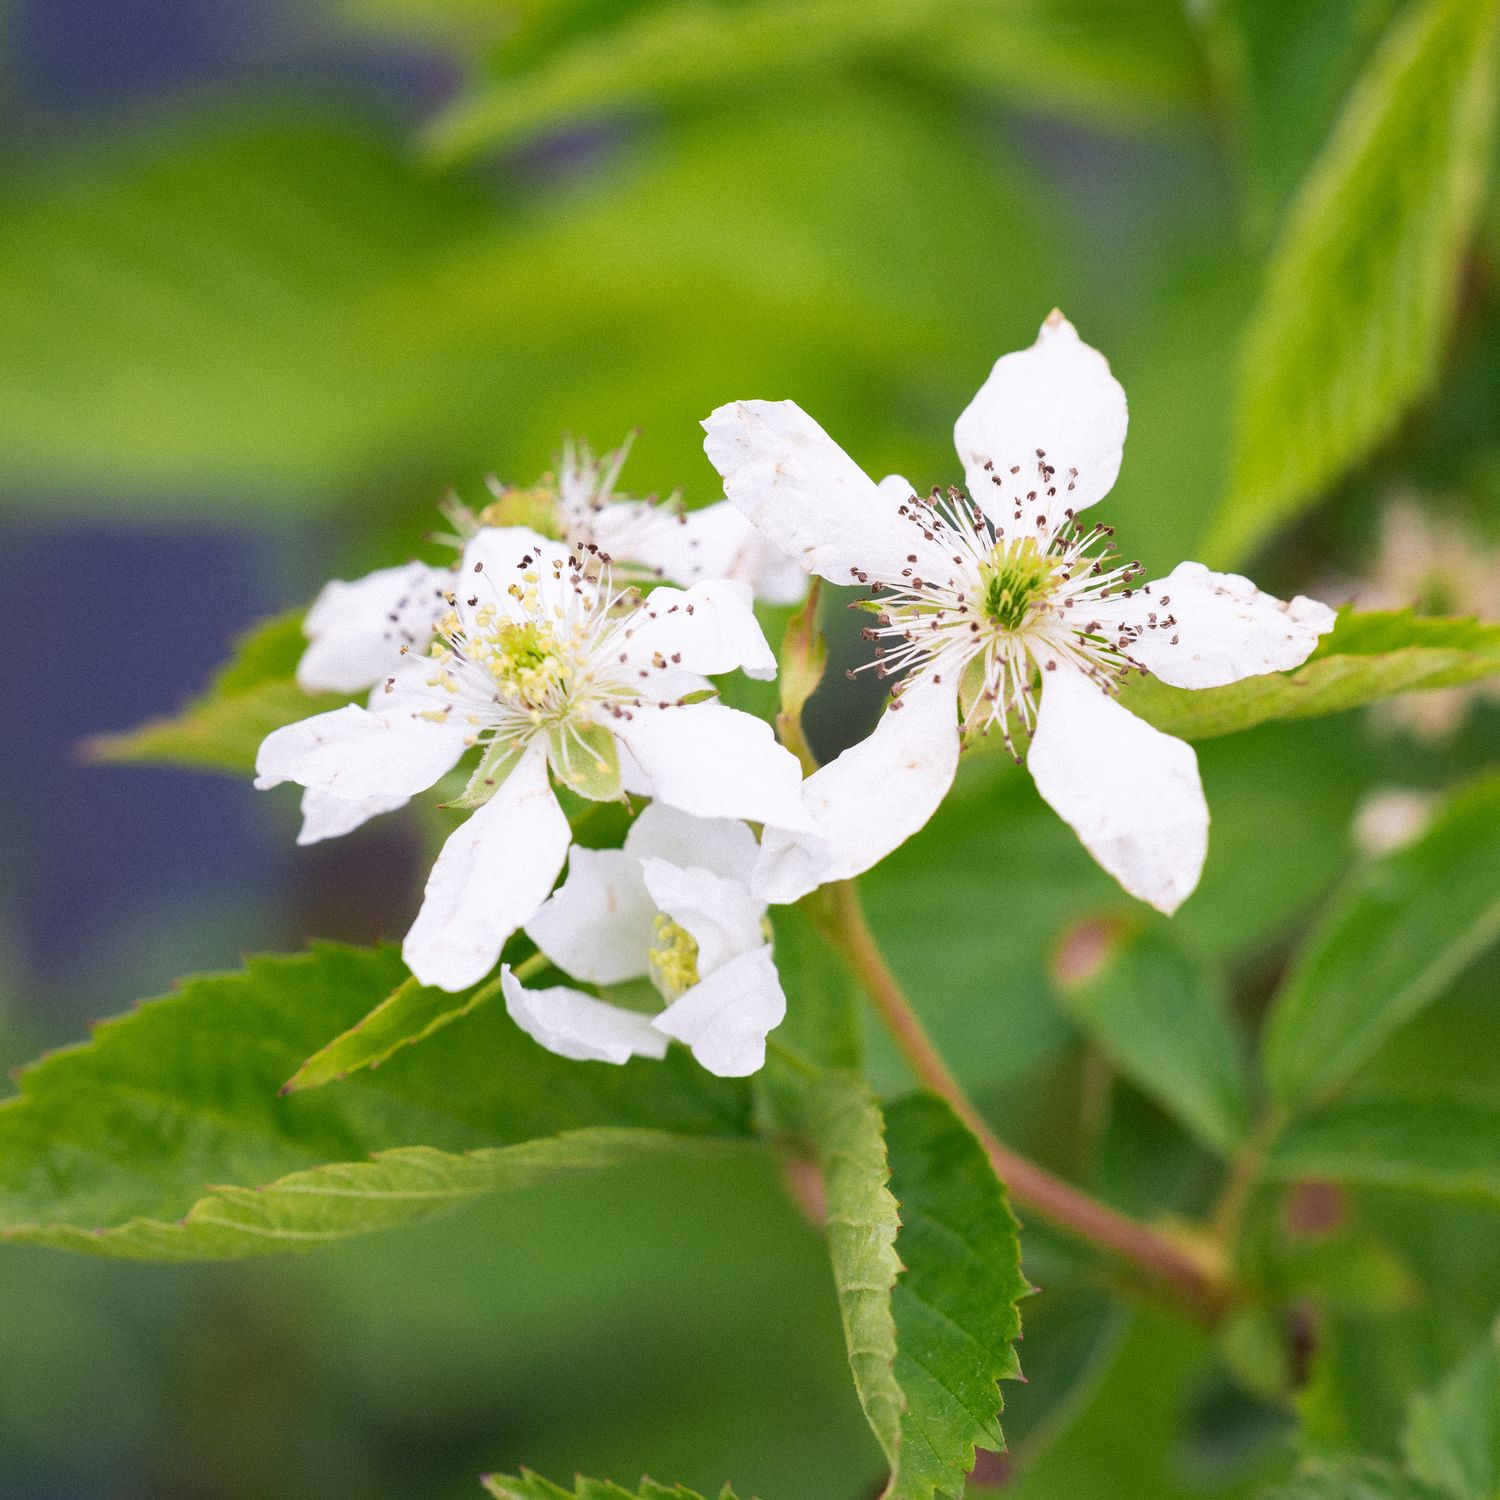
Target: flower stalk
point(839, 916)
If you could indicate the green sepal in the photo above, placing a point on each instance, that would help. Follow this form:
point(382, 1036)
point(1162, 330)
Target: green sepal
point(800, 665)
point(498, 761)
point(410, 1013)
point(586, 760)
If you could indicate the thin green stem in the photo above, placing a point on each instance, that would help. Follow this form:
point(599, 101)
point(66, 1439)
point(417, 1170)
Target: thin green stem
point(1228, 1216)
point(841, 919)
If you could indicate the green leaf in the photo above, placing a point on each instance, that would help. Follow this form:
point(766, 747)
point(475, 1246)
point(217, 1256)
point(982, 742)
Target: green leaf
point(955, 1302)
point(180, 1102)
point(1452, 1437)
point(586, 760)
point(681, 51)
point(1164, 1021)
point(1282, 70)
point(248, 698)
point(1403, 930)
point(1352, 1479)
point(1364, 657)
point(862, 1220)
point(199, 292)
point(305, 1210)
point(1433, 1143)
point(929, 1304)
point(409, 1014)
point(531, 1486)
point(1361, 290)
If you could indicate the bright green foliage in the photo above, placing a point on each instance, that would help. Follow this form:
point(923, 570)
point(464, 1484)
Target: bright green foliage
point(1452, 1437)
point(531, 1486)
point(929, 1345)
point(212, 306)
point(1281, 70)
point(182, 1097)
point(305, 1210)
point(1353, 1479)
point(678, 51)
point(955, 1302)
point(1365, 657)
point(410, 1013)
point(862, 1221)
point(1405, 927)
point(1362, 287)
point(1435, 1143)
point(222, 729)
point(1164, 1021)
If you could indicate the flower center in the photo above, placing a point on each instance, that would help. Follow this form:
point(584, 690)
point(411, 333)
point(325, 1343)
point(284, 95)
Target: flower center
point(673, 958)
point(994, 611)
point(533, 506)
point(1015, 580)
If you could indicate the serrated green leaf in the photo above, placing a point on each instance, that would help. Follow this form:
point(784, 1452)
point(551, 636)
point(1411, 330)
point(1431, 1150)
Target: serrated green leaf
point(409, 1014)
point(1406, 926)
point(254, 693)
point(683, 50)
point(1365, 657)
point(322, 1205)
point(955, 1303)
point(1352, 1479)
point(1164, 1021)
point(586, 759)
point(529, 1486)
point(1360, 293)
point(1452, 1437)
point(180, 1100)
point(848, 1131)
point(1434, 1143)
point(929, 1303)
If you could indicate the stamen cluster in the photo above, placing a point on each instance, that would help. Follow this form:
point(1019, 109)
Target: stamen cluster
point(1011, 601)
point(673, 958)
point(536, 652)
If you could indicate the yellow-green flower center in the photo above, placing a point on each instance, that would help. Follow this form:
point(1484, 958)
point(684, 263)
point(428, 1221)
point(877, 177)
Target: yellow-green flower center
point(673, 958)
point(533, 506)
point(1016, 578)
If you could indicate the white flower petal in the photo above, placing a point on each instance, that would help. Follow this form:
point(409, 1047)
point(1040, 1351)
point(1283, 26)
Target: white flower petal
point(352, 753)
point(326, 817)
point(721, 916)
point(1130, 792)
point(689, 547)
point(707, 629)
point(796, 486)
point(356, 630)
point(1202, 629)
point(492, 874)
point(577, 1026)
point(502, 550)
point(1057, 396)
point(725, 1019)
point(722, 845)
point(714, 761)
point(599, 923)
point(871, 799)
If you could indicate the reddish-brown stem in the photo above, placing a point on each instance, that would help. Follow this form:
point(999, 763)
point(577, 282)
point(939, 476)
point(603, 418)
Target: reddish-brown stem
point(842, 921)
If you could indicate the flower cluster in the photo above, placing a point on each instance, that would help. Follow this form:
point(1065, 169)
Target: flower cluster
point(996, 611)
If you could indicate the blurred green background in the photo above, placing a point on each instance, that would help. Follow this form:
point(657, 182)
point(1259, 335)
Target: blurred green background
point(267, 291)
